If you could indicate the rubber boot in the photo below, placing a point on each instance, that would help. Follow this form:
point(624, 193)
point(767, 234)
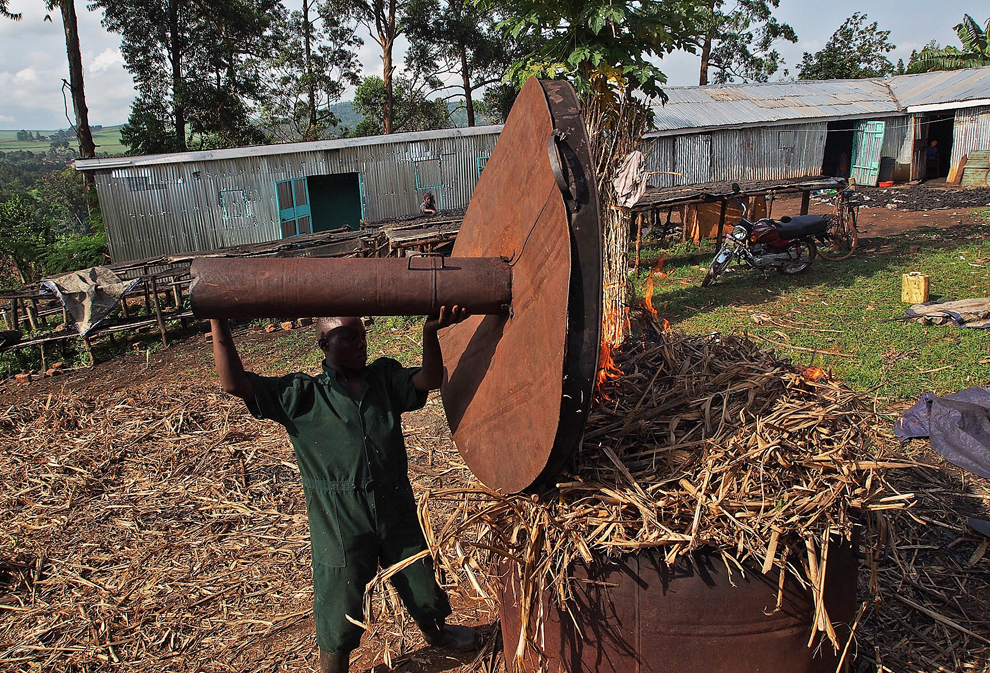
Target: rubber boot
point(449, 636)
point(334, 663)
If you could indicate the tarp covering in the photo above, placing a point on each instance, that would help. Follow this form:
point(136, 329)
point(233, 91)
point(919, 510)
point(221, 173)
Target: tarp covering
point(88, 295)
point(973, 313)
point(630, 183)
point(958, 426)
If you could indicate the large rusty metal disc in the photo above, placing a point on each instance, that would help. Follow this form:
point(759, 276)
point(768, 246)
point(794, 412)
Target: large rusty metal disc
point(517, 388)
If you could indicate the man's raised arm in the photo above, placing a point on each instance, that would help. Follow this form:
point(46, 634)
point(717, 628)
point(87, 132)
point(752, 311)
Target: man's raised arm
point(431, 375)
point(228, 362)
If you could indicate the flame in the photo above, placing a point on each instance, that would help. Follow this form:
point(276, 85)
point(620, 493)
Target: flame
point(648, 297)
point(607, 369)
point(814, 374)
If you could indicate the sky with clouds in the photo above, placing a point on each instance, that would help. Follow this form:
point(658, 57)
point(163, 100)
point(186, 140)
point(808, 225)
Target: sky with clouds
point(33, 62)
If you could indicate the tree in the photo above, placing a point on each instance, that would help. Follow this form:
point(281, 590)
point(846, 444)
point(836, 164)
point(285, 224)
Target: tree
point(412, 110)
point(856, 50)
point(196, 66)
point(599, 44)
point(739, 43)
point(451, 38)
point(975, 52)
point(384, 21)
point(67, 9)
point(313, 64)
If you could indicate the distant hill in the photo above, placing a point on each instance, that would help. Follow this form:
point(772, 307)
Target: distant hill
point(107, 139)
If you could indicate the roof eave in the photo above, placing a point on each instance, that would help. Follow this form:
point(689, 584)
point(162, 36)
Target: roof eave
point(952, 105)
point(761, 124)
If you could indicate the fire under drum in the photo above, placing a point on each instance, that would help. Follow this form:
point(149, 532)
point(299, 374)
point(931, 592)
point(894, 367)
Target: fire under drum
point(518, 382)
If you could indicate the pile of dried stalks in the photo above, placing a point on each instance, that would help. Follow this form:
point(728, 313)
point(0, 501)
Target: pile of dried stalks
point(154, 529)
point(701, 442)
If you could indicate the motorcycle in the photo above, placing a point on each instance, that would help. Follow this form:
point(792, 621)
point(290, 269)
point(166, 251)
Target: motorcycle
point(787, 245)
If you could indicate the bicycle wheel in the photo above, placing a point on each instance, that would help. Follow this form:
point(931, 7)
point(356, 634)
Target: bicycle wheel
point(841, 237)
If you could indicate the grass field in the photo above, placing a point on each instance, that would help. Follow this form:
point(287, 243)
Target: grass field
point(107, 140)
point(845, 310)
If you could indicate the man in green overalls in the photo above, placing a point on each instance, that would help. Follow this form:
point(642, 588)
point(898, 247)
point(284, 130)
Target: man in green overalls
point(344, 425)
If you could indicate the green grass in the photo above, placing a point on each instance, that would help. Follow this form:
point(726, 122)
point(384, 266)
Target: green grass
point(845, 307)
point(107, 140)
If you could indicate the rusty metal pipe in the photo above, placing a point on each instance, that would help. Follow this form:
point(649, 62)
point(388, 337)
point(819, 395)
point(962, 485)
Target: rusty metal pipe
point(299, 287)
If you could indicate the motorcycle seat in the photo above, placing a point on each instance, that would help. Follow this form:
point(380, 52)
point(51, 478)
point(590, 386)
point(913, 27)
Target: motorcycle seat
point(802, 225)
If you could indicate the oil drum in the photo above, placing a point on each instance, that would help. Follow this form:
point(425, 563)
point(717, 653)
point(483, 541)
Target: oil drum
point(637, 614)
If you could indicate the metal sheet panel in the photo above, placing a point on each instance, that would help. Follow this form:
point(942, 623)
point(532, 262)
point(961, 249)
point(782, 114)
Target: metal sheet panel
point(778, 102)
point(933, 88)
point(971, 132)
point(163, 208)
point(769, 153)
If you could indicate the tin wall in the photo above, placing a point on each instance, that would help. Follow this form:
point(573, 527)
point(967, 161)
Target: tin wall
point(766, 153)
point(971, 132)
point(192, 206)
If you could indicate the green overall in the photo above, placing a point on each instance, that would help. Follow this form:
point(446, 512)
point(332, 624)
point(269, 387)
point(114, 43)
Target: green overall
point(359, 500)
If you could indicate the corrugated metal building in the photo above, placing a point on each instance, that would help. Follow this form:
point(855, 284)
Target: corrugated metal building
point(200, 201)
point(872, 129)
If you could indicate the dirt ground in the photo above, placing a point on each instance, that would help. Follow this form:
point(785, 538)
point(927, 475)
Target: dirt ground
point(191, 360)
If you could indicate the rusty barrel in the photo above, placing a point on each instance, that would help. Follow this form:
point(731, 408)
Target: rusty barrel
point(300, 287)
point(639, 615)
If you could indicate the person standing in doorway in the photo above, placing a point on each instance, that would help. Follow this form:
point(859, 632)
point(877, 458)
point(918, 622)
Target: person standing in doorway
point(931, 160)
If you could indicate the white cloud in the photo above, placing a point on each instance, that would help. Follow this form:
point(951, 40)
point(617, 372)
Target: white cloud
point(106, 60)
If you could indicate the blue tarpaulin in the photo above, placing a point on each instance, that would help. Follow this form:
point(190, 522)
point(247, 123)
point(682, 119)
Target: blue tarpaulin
point(958, 426)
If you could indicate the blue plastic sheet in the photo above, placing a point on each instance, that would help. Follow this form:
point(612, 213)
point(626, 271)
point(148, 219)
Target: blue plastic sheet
point(958, 426)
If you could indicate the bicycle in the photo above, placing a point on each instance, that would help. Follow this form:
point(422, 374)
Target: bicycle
point(842, 235)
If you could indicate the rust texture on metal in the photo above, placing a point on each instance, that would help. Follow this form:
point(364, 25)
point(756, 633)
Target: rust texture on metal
point(638, 615)
point(309, 287)
point(517, 388)
point(519, 375)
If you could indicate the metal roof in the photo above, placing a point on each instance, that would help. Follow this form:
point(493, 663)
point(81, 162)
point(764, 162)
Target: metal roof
point(285, 148)
point(942, 88)
point(736, 105)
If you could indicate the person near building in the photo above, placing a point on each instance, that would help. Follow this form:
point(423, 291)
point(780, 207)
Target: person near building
point(931, 160)
point(429, 205)
point(344, 426)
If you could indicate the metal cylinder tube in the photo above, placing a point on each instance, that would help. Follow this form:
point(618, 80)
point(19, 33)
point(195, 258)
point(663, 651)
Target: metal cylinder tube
point(298, 287)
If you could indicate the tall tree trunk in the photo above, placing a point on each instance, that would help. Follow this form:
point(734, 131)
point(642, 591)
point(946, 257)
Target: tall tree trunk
point(310, 85)
point(466, 80)
point(175, 54)
point(387, 34)
point(706, 47)
point(87, 148)
point(706, 52)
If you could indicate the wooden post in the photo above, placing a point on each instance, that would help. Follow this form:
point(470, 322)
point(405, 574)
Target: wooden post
point(30, 316)
point(805, 202)
point(176, 294)
point(44, 367)
point(37, 312)
point(14, 312)
point(158, 312)
point(639, 238)
point(89, 350)
point(123, 305)
point(6, 319)
point(147, 299)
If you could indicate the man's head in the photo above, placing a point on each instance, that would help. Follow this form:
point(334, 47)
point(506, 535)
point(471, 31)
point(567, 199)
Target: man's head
point(343, 341)
point(933, 143)
point(428, 197)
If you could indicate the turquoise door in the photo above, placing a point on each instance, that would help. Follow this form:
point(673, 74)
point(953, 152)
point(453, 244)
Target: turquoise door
point(867, 143)
point(293, 207)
